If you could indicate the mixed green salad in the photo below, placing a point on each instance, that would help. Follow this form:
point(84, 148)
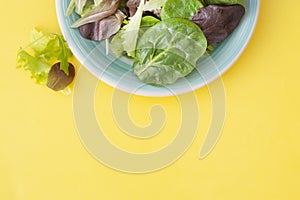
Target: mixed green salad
point(165, 38)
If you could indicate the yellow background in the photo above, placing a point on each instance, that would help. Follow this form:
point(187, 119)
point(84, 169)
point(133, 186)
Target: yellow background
point(257, 157)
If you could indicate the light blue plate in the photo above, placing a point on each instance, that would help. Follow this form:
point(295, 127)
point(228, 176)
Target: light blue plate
point(117, 72)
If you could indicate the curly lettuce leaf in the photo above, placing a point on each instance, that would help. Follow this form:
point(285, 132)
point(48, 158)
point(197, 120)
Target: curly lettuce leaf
point(51, 46)
point(38, 68)
point(43, 51)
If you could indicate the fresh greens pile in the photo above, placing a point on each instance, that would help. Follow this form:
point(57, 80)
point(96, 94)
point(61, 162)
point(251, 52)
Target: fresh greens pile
point(164, 37)
point(46, 58)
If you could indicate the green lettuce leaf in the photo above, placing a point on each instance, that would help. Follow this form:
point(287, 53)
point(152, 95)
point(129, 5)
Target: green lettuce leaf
point(38, 68)
point(130, 35)
point(168, 51)
point(180, 8)
point(43, 51)
point(153, 5)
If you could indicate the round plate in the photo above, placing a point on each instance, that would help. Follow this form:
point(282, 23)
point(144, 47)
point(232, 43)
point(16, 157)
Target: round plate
point(118, 73)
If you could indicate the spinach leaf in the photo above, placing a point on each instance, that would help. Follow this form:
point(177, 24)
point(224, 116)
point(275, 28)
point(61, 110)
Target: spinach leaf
point(116, 44)
point(146, 23)
point(226, 2)
point(168, 50)
point(180, 8)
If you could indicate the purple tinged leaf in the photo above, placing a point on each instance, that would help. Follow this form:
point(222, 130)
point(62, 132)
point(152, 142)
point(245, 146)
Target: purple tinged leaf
point(103, 10)
point(218, 21)
point(57, 79)
point(104, 28)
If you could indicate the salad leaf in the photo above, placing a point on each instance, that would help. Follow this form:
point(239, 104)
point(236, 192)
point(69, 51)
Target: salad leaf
point(36, 66)
point(116, 44)
point(146, 23)
point(126, 39)
point(50, 46)
point(150, 5)
point(203, 2)
point(38, 42)
point(153, 5)
point(56, 48)
point(110, 25)
point(169, 50)
point(225, 2)
point(149, 21)
point(122, 4)
point(70, 8)
point(90, 5)
point(132, 5)
point(62, 54)
point(97, 2)
point(79, 6)
point(57, 80)
point(104, 28)
point(180, 8)
point(131, 31)
point(101, 11)
point(46, 48)
point(218, 21)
